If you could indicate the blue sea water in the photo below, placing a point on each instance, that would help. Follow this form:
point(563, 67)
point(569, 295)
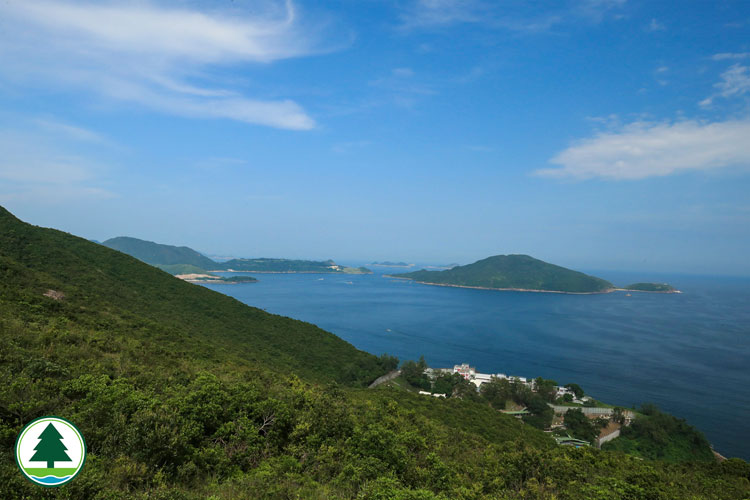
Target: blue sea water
point(51, 480)
point(689, 353)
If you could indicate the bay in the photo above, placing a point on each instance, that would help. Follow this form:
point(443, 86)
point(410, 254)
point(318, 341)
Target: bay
point(688, 353)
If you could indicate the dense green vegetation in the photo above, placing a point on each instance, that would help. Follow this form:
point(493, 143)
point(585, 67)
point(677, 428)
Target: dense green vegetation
point(651, 287)
point(579, 426)
point(184, 393)
point(288, 266)
point(514, 272)
point(657, 435)
point(156, 253)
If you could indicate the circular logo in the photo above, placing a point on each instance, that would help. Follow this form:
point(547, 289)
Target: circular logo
point(50, 451)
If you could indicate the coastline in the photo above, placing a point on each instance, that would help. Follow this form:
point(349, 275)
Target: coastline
point(609, 290)
point(282, 272)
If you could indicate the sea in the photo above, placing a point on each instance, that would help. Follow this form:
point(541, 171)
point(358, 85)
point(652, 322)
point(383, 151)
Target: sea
point(688, 353)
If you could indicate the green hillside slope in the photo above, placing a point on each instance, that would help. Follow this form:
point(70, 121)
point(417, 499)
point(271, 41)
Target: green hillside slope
point(513, 272)
point(103, 285)
point(157, 253)
point(183, 393)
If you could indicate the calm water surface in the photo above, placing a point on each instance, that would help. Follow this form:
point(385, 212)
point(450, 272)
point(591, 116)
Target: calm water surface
point(689, 353)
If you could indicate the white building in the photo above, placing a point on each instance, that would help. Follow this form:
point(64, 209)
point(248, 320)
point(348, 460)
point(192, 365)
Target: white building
point(466, 371)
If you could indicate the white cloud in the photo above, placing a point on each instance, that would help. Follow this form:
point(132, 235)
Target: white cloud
point(153, 55)
point(642, 150)
point(33, 168)
point(730, 55)
point(735, 82)
point(516, 16)
point(655, 25)
point(425, 13)
point(71, 131)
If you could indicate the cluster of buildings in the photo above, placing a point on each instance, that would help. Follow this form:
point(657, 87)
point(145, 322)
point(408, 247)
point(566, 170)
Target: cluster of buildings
point(470, 373)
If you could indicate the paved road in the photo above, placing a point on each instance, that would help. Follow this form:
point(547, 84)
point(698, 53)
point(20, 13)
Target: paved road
point(385, 378)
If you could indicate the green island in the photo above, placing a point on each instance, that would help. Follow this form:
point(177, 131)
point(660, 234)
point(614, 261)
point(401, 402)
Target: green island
point(185, 260)
point(183, 393)
point(513, 272)
point(388, 263)
point(651, 287)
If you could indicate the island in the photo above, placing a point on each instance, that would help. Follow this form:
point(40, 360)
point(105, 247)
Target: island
point(513, 272)
point(184, 260)
point(214, 279)
point(266, 265)
point(651, 287)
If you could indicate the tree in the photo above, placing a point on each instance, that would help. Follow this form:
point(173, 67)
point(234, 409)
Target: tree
point(579, 426)
point(496, 392)
point(444, 384)
point(576, 390)
point(541, 413)
point(618, 415)
point(50, 448)
point(413, 372)
point(546, 388)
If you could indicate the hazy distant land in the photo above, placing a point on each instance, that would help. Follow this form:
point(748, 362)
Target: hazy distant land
point(184, 260)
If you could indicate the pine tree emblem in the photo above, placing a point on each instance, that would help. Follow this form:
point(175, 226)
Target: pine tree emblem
point(50, 451)
point(51, 448)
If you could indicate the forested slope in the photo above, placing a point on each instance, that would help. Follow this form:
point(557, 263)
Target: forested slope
point(183, 393)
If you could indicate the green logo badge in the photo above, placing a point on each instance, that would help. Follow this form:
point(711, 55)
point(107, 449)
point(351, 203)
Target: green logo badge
point(50, 451)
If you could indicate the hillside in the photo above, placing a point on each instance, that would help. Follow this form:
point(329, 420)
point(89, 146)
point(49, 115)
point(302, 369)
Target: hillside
point(104, 286)
point(184, 393)
point(516, 272)
point(157, 253)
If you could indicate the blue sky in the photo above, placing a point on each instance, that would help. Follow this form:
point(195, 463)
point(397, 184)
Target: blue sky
point(597, 134)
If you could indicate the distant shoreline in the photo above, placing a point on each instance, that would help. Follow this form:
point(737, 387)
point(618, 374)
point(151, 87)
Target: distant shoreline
point(282, 272)
point(502, 289)
point(609, 290)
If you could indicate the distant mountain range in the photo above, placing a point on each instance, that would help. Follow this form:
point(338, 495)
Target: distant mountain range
point(513, 272)
point(184, 260)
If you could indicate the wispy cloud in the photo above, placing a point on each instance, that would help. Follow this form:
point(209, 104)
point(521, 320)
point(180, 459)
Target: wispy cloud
point(154, 54)
point(70, 131)
point(427, 13)
point(735, 82)
point(730, 55)
point(34, 169)
point(643, 149)
point(654, 26)
point(404, 86)
point(516, 16)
